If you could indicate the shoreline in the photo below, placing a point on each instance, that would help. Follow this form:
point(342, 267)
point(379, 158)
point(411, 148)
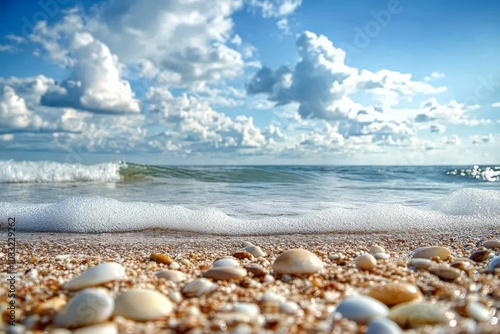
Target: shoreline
point(47, 260)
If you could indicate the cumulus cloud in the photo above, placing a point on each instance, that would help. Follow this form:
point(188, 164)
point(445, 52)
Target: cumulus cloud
point(14, 114)
point(275, 8)
point(453, 111)
point(496, 105)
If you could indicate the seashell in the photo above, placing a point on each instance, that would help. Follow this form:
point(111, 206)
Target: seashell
point(104, 328)
point(142, 305)
point(420, 314)
point(174, 265)
point(249, 309)
point(160, 258)
point(492, 244)
point(383, 326)
point(254, 250)
point(289, 307)
point(198, 287)
point(256, 269)
point(362, 309)
point(243, 255)
point(88, 307)
point(100, 274)
point(225, 273)
point(246, 244)
point(445, 272)
point(428, 252)
point(382, 256)
point(226, 262)
point(366, 262)
point(478, 312)
point(171, 275)
point(376, 249)
point(480, 255)
point(394, 293)
point(424, 264)
point(297, 261)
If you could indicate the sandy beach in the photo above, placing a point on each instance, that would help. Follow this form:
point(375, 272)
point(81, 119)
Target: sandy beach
point(262, 300)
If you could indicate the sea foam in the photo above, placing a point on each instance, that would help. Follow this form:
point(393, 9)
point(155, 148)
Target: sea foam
point(461, 209)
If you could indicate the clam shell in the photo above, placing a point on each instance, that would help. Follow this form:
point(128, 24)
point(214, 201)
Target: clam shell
point(198, 287)
point(366, 262)
point(225, 273)
point(297, 261)
point(142, 305)
point(394, 293)
point(88, 307)
point(100, 274)
point(428, 252)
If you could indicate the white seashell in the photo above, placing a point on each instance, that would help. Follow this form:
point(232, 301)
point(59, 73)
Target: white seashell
point(100, 274)
point(366, 262)
point(171, 275)
point(88, 307)
point(249, 309)
point(142, 305)
point(419, 314)
point(382, 256)
point(478, 312)
point(376, 249)
point(242, 329)
point(104, 328)
point(255, 250)
point(246, 244)
point(175, 296)
point(428, 252)
point(225, 273)
point(199, 287)
point(272, 297)
point(424, 264)
point(362, 309)
point(495, 263)
point(174, 265)
point(383, 326)
point(289, 307)
point(226, 262)
point(492, 244)
point(297, 261)
point(445, 272)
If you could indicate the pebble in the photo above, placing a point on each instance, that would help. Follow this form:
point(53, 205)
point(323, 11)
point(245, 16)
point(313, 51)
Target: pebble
point(428, 252)
point(172, 275)
point(480, 255)
point(50, 305)
point(246, 244)
point(492, 244)
point(297, 261)
point(445, 272)
point(419, 314)
point(249, 309)
point(366, 262)
point(382, 256)
point(289, 307)
point(256, 269)
point(174, 265)
point(104, 328)
point(243, 255)
point(142, 305)
point(225, 273)
point(362, 309)
point(198, 287)
point(478, 312)
point(88, 307)
point(422, 263)
point(100, 274)
point(376, 249)
point(495, 263)
point(395, 293)
point(256, 251)
point(226, 262)
point(160, 258)
point(383, 326)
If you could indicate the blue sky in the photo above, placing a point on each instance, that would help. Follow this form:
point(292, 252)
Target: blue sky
point(250, 81)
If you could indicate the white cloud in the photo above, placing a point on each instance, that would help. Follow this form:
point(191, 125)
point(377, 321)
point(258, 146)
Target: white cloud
point(275, 8)
point(453, 112)
point(14, 114)
point(496, 105)
point(434, 75)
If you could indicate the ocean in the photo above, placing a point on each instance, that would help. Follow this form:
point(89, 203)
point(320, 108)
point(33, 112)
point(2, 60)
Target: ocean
point(239, 200)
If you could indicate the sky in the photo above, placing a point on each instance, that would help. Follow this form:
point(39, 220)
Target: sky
point(251, 81)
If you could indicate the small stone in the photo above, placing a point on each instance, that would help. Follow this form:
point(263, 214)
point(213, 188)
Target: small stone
point(494, 264)
point(225, 273)
point(185, 262)
point(420, 314)
point(480, 255)
point(104, 328)
point(424, 264)
point(366, 262)
point(100, 274)
point(226, 262)
point(492, 244)
point(362, 309)
point(256, 269)
point(53, 304)
point(174, 265)
point(249, 309)
point(254, 250)
point(445, 272)
point(381, 256)
point(246, 244)
point(297, 261)
point(428, 252)
point(383, 326)
point(463, 264)
point(160, 258)
point(376, 249)
point(243, 255)
point(172, 275)
point(289, 307)
point(142, 305)
point(478, 312)
point(198, 287)
point(395, 293)
point(88, 307)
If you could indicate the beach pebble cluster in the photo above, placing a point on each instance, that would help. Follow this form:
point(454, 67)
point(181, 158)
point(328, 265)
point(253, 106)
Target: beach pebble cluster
point(392, 286)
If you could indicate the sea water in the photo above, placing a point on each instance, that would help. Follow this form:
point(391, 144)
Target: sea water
point(117, 196)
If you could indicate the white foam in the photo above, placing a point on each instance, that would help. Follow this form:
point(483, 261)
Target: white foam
point(46, 171)
point(461, 209)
